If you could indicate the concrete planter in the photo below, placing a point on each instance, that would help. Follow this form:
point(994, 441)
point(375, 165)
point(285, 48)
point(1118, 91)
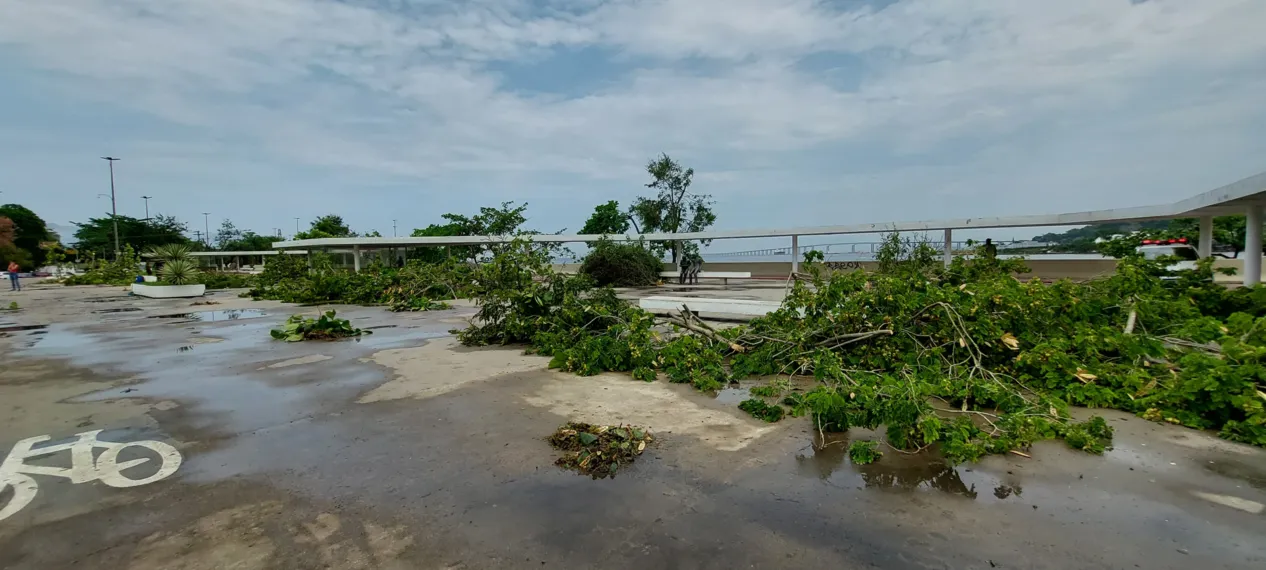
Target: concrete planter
point(168, 291)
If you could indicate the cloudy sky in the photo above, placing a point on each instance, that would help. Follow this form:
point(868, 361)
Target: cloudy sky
point(792, 112)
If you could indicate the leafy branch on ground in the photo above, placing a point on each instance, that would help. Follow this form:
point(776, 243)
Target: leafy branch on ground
point(327, 327)
point(864, 452)
point(289, 279)
point(599, 451)
point(966, 359)
point(762, 410)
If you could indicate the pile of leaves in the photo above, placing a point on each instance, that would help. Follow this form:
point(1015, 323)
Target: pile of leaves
point(622, 264)
point(966, 359)
point(598, 451)
point(326, 327)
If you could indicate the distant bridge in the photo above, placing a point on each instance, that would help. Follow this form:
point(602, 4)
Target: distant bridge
point(853, 248)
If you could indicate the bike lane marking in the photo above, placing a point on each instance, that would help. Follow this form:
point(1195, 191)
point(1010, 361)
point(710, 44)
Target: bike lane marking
point(15, 474)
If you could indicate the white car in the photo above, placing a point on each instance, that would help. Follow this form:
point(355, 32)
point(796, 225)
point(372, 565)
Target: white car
point(1156, 249)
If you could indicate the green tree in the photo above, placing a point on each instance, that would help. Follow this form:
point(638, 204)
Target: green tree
point(328, 226)
point(674, 209)
point(30, 232)
point(503, 221)
point(97, 234)
point(9, 251)
point(227, 234)
point(1228, 231)
point(607, 219)
point(250, 241)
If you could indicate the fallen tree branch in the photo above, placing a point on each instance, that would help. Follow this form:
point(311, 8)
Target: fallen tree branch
point(856, 336)
point(1208, 347)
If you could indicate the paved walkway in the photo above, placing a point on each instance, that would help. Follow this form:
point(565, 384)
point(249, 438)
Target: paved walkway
point(404, 450)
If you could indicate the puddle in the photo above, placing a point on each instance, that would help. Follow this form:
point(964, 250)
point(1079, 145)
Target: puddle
point(828, 460)
point(215, 316)
point(732, 395)
point(1238, 471)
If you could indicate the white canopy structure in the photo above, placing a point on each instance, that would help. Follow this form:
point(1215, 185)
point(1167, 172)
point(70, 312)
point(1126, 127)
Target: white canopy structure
point(1247, 196)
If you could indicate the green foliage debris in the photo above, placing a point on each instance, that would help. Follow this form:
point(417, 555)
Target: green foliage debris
point(762, 410)
point(288, 278)
point(327, 327)
point(599, 451)
point(967, 360)
point(864, 452)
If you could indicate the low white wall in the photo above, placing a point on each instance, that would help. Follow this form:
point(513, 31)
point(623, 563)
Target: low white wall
point(168, 291)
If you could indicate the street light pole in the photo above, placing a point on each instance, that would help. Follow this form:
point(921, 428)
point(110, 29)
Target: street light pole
point(146, 198)
point(206, 225)
point(393, 228)
point(296, 226)
point(114, 210)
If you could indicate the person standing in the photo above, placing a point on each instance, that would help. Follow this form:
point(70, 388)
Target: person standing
point(991, 250)
point(13, 276)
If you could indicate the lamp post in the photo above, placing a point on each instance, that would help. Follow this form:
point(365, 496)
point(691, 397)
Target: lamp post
point(296, 226)
point(114, 210)
point(206, 225)
point(146, 198)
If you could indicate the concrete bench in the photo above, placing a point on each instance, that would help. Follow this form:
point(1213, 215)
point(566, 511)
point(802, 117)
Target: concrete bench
point(724, 276)
point(745, 307)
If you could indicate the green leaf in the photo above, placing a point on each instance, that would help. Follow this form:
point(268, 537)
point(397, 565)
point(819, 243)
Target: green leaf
point(586, 438)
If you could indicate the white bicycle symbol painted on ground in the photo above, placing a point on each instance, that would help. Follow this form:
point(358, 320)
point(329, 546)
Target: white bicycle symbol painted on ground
point(16, 474)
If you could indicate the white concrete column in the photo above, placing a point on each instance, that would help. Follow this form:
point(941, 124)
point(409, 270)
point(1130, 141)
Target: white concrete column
point(949, 247)
point(795, 254)
point(1206, 236)
point(1253, 246)
point(356, 258)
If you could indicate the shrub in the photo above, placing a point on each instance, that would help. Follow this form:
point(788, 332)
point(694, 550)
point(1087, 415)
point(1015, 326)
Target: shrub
point(179, 272)
point(627, 264)
point(120, 271)
point(217, 280)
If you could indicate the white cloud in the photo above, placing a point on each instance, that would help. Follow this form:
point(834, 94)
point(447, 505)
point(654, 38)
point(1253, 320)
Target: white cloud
point(405, 88)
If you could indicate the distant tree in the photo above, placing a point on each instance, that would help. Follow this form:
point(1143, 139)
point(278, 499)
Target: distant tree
point(328, 226)
point(228, 233)
point(1228, 231)
point(9, 251)
point(29, 232)
point(502, 221)
point(250, 241)
point(674, 209)
point(97, 234)
point(607, 219)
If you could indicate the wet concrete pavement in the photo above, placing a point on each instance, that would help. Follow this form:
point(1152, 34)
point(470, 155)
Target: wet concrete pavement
point(403, 450)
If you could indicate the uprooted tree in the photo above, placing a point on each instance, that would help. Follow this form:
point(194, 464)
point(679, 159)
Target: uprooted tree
point(967, 358)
